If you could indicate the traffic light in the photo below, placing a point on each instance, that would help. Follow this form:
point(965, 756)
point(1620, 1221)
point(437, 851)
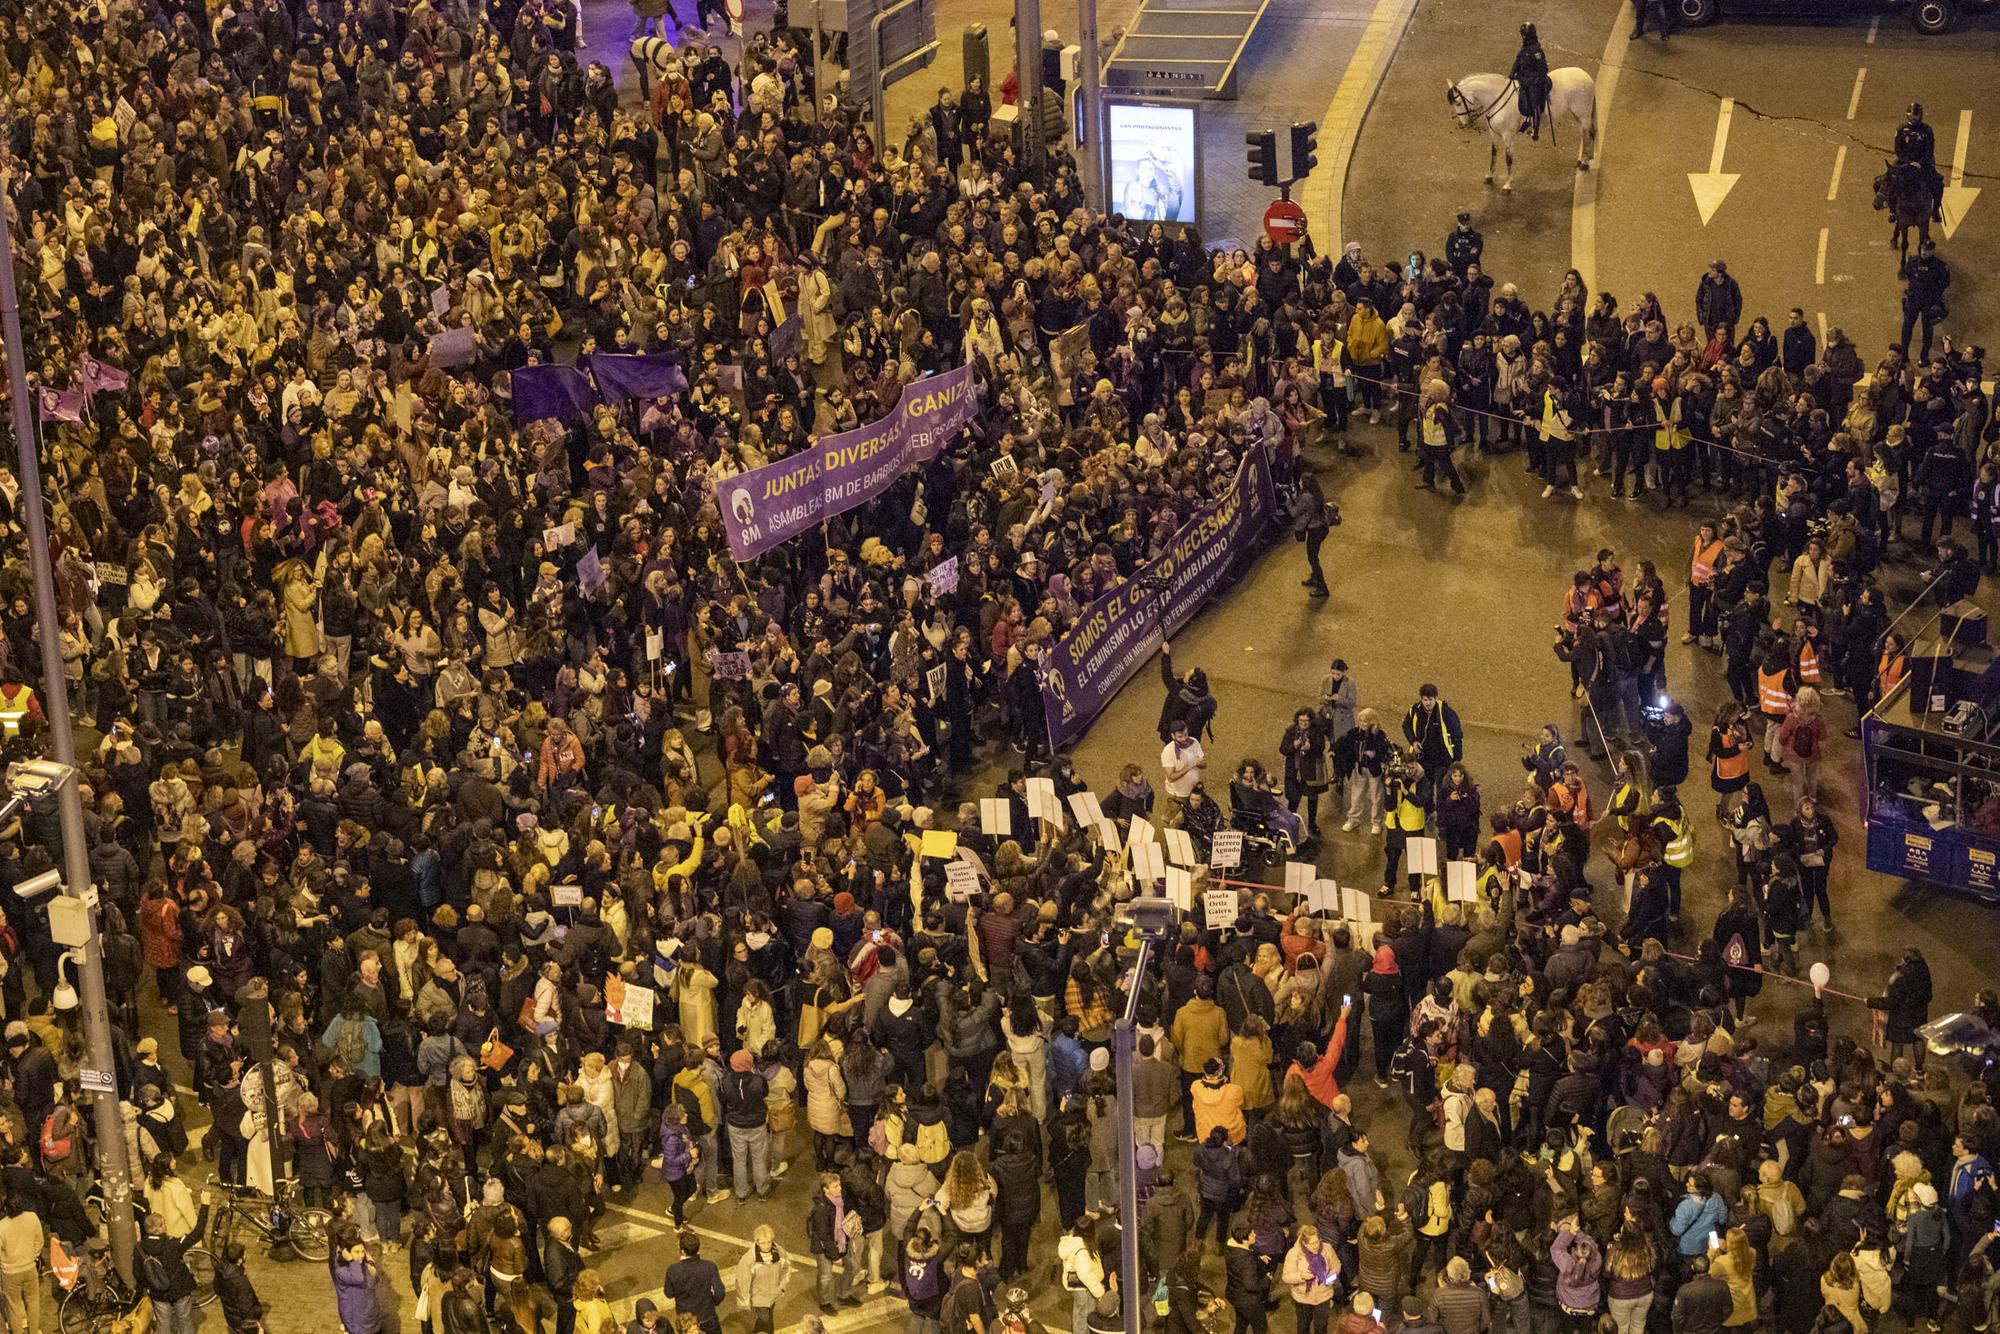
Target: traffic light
point(1263, 156)
point(1305, 149)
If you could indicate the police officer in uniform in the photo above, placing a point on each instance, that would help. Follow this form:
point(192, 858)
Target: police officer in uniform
point(1915, 142)
point(1464, 246)
point(1923, 296)
point(1531, 81)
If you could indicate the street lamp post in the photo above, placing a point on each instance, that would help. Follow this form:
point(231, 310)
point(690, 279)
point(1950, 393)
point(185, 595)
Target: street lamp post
point(99, 1075)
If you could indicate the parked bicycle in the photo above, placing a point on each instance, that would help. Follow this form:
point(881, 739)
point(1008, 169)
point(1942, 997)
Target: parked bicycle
point(278, 1220)
point(95, 1300)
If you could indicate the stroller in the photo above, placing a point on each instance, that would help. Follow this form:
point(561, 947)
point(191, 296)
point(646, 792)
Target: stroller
point(1270, 828)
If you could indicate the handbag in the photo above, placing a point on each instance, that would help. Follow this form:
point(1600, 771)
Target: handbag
point(495, 1054)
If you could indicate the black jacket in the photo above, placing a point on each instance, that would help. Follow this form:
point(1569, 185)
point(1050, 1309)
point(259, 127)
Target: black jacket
point(241, 1307)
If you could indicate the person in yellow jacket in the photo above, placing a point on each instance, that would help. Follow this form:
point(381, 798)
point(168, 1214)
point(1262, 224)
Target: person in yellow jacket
point(1405, 812)
point(1336, 386)
point(19, 708)
point(1367, 350)
point(1670, 442)
point(1200, 1033)
point(1217, 1101)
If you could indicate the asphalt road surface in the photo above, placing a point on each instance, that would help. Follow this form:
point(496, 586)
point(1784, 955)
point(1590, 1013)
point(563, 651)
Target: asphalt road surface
point(1813, 116)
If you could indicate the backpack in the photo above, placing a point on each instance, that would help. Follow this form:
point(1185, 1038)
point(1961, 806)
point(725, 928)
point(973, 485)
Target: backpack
point(1784, 1218)
point(350, 1044)
point(58, 1139)
point(697, 1124)
point(154, 1270)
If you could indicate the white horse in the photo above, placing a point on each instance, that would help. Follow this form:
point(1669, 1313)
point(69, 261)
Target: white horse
point(1489, 100)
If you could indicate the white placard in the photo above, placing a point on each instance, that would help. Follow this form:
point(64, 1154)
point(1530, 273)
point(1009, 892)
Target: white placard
point(1042, 803)
point(1085, 806)
point(636, 1010)
point(1107, 834)
point(1218, 906)
point(559, 536)
point(961, 881)
point(1423, 856)
point(1141, 831)
point(1323, 896)
point(996, 817)
point(656, 644)
point(1147, 863)
point(1298, 875)
point(1461, 881)
point(1180, 888)
point(566, 896)
point(1225, 852)
point(1180, 848)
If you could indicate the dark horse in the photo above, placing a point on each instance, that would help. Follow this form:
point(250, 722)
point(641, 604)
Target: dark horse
point(1904, 189)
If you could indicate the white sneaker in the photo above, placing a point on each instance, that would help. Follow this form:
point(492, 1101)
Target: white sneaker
point(780, 1170)
point(1375, 827)
point(717, 1196)
point(1349, 826)
point(1375, 416)
point(1576, 493)
point(1548, 490)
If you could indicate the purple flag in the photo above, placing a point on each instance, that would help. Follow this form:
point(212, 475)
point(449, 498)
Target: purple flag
point(100, 377)
point(541, 392)
point(590, 570)
point(650, 375)
point(62, 405)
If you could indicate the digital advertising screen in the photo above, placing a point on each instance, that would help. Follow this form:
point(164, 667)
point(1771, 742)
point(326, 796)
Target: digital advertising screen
point(1153, 150)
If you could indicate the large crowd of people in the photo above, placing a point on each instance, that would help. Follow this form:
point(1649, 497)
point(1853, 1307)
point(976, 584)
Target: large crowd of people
point(573, 856)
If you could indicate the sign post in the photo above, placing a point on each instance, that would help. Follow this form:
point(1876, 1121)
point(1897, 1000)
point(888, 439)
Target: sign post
point(1284, 222)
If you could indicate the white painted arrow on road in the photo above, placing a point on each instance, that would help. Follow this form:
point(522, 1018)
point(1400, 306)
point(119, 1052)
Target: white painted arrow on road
point(1958, 196)
point(1711, 187)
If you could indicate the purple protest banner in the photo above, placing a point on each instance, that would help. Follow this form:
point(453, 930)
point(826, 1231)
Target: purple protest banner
point(454, 347)
point(621, 376)
point(1115, 635)
point(562, 392)
point(62, 405)
point(100, 377)
point(775, 503)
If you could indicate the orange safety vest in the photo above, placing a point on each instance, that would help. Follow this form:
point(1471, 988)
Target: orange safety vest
point(1772, 697)
point(1510, 846)
point(1702, 568)
point(1733, 766)
point(1808, 663)
point(1889, 673)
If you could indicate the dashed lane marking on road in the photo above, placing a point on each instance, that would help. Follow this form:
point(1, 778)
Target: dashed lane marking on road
point(1874, 26)
point(1822, 328)
point(1583, 196)
point(1819, 265)
point(666, 1223)
point(1341, 123)
point(874, 1313)
point(1839, 161)
point(1854, 98)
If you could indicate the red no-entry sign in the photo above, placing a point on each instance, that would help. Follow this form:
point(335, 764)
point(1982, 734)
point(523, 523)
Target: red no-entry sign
point(1284, 222)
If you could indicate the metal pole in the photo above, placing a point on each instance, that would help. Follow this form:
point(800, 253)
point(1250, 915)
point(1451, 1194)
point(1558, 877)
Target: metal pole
point(1090, 103)
point(1124, 1040)
point(819, 88)
point(1028, 80)
point(110, 1123)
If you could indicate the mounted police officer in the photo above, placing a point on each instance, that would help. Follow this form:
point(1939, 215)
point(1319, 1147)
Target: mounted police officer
point(1915, 143)
point(1531, 81)
point(1464, 246)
